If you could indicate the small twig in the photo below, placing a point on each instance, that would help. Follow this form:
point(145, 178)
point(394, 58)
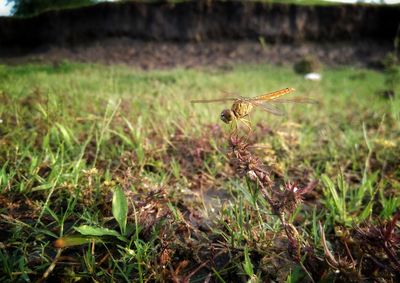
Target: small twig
point(253, 176)
point(52, 265)
point(187, 278)
point(330, 259)
point(306, 271)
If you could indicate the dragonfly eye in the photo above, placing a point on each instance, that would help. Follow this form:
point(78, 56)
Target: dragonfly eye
point(227, 116)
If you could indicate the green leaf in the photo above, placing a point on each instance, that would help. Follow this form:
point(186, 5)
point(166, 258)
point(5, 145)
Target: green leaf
point(247, 265)
point(123, 137)
point(331, 187)
point(74, 240)
point(96, 231)
point(46, 186)
point(65, 134)
point(366, 212)
point(120, 209)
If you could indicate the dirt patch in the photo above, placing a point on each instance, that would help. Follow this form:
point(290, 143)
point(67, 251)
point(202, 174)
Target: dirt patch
point(201, 33)
point(224, 54)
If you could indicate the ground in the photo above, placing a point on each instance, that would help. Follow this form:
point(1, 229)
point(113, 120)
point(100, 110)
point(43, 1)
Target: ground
point(219, 54)
point(108, 173)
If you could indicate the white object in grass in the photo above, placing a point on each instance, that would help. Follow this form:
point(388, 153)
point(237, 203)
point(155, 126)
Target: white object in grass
point(313, 76)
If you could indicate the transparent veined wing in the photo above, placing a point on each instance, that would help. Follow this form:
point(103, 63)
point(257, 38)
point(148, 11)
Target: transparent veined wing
point(213, 100)
point(270, 108)
point(305, 100)
point(232, 97)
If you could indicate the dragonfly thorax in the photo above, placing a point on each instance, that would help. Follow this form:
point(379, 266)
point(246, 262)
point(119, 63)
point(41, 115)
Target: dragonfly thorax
point(241, 108)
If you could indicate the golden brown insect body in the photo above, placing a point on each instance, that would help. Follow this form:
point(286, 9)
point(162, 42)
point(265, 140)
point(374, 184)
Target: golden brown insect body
point(242, 106)
point(240, 109)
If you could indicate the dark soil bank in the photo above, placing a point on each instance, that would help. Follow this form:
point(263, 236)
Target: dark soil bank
point(221, 54)
point(201, 21)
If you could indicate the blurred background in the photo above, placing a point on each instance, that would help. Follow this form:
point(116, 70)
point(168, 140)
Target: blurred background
point(159, 34)
point(26, 7)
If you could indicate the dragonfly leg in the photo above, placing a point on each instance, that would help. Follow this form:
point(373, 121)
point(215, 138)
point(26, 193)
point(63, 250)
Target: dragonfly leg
point(247, 123)
point(234, 127)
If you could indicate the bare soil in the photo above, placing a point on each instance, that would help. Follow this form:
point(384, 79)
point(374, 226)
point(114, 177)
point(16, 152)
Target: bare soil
point(222, 54)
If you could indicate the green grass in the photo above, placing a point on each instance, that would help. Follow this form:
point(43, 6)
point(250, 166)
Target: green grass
point(118, 163)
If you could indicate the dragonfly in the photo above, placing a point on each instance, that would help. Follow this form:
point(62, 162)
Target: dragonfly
point(242, 106)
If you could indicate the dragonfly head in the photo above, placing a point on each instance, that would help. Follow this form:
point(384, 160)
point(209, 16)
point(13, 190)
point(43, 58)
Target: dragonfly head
point(227, 116)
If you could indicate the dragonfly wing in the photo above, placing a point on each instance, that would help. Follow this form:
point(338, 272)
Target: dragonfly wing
point(295, 100)
point(213, 100)
point(274, 95)
point(230, 93)
point(271, 109)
